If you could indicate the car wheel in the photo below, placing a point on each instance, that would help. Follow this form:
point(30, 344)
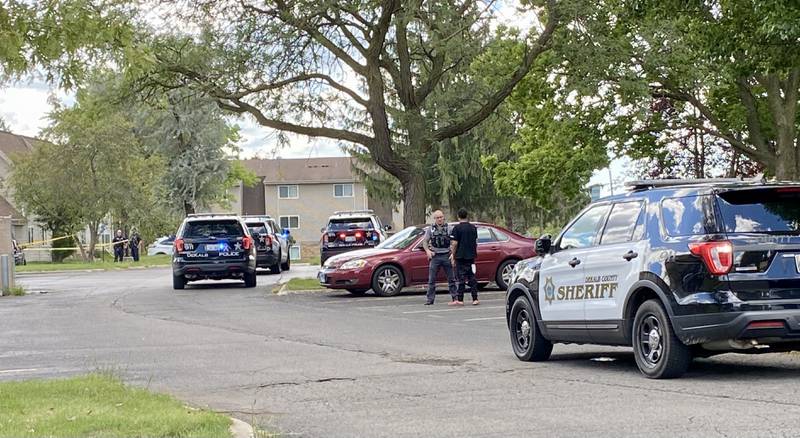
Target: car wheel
point(528, 342)
point(250, 279)
point(387, 281)
point(659, 353)
point(286, 266)
point(504, 271)
point(178, 282)
point(276, 268)
point(358, 292)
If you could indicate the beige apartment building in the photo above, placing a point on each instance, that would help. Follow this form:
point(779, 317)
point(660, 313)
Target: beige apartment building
point(24, 229)
point(302, 193)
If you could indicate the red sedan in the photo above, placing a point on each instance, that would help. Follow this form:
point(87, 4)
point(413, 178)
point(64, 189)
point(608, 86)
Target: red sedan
point(400, 261)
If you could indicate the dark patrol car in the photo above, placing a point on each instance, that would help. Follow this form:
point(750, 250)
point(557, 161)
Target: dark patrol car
point(272, 245)
point(674, 268)
point(351, 230)
point(213, 246)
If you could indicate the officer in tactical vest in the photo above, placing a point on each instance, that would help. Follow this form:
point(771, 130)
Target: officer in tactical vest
point(437, 245)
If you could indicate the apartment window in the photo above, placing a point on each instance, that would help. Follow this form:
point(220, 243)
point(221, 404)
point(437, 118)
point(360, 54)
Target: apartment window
point(291, 222)
point(294, 252)
point(288, 192)
point(343, 190)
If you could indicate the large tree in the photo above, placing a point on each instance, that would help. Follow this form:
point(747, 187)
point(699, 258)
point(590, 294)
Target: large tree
point(61, 38)
point(358, 71)
point(726, 68)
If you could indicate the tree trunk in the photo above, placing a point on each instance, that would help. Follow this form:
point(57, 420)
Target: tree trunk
point(188, 208)
point(92, 239)
point(414, 191)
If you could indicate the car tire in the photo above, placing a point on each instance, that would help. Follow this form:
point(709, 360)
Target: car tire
point(250, 279)
point(527, 341)
point(178, 282)
point(658, 352)
point(503, 272)
point(387, 281)
point(276, 268)
point(358, 292)
point(288, 265)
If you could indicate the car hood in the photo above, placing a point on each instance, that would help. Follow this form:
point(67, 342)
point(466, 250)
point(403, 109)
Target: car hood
point(338, 260)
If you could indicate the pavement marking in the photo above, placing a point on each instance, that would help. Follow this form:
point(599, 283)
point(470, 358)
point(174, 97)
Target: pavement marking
point(485, 319)
point(452, 308)
point(20, 370)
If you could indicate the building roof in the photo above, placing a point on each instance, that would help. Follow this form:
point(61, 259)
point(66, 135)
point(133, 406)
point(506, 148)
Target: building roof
point(11, 144)
point(303, 170)
point(6, 209)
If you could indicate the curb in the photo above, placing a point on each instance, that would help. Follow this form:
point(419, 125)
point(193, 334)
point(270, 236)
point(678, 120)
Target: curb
point(240, 429)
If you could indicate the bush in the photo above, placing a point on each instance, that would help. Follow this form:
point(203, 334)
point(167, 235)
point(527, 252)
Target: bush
point(60, 254)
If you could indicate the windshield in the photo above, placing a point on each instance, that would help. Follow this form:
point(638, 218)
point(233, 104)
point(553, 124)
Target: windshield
point(402, 239)
point(257, 228)
point(768, 211)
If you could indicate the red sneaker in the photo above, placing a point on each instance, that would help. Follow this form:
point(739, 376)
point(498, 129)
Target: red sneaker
point(459, 303)
point(452, 303)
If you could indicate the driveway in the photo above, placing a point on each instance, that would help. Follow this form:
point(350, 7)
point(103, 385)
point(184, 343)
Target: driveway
point(329, 364)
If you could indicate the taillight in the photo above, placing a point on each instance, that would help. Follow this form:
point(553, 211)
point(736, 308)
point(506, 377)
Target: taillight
point(342, 236)
point(178, 245)
point(247, 242)
point(268, 240)
point(358, 234)
point(718, 256)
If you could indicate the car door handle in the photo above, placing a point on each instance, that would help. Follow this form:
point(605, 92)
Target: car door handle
point(630, 255)
point(493, 248)
point(574, 262)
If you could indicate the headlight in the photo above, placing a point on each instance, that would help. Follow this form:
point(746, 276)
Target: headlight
point(354, 264)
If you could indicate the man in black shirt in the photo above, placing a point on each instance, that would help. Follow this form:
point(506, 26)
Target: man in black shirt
point(465, 248)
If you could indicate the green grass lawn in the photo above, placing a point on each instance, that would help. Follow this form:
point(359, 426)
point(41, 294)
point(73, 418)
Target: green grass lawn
point(68, 265)
point(304, 284)
point(99, 405)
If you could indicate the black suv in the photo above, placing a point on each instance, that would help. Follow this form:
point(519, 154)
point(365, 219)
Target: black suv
point(213, 246)
point(674, 268)
point(350, 230)
point(272, 246)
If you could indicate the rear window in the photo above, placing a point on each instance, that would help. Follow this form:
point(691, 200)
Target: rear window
point(219, 229)
point(768, 211)
point(257, 228)
point(688, 216)
point(350, 224)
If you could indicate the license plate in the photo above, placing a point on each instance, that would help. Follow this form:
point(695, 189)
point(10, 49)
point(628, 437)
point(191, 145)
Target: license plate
point(218, 247)
point(321, 277)
point(350, 239)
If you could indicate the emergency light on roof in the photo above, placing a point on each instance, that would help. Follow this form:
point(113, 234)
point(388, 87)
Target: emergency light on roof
point(655, 183)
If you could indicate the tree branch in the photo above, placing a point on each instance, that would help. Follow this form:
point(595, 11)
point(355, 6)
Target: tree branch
point(299, 78)
point(542, 43)
point(240, 107)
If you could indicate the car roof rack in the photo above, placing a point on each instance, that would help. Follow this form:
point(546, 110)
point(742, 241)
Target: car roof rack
point(656, 183)
point(257, 216)
point(353, 212)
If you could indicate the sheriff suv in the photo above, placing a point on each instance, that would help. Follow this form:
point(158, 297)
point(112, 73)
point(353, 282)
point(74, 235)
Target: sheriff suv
point(215, 247)
point(673, 268)
point(350, 230)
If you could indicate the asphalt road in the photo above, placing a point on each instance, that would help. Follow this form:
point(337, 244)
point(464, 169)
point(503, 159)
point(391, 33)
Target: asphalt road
point(332, 365)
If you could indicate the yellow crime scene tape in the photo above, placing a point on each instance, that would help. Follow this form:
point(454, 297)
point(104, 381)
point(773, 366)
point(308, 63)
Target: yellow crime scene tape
point(40, 242)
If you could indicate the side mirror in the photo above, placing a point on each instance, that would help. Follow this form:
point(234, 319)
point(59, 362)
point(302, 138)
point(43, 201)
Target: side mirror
point(543, 245)
point(387, 227)
point(322, 230)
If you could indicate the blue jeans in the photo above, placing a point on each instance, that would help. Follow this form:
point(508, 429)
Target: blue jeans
point(440, 261)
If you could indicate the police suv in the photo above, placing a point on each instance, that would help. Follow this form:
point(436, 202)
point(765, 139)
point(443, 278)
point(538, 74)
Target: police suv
point(674, 268)
point(211, 246)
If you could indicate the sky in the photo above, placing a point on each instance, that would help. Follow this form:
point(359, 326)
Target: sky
point(24, 107)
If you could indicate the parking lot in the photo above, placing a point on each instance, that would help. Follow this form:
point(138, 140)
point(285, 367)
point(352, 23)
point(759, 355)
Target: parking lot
point(331, 364)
